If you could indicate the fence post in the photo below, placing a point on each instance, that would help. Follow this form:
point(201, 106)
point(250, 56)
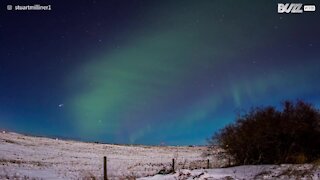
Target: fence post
point(208, 164)
point(105, 177)
point(173, 165)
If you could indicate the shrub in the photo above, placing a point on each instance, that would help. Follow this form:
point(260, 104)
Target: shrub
point(271, 136)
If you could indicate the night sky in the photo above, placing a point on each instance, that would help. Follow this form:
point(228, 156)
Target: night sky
point(151, 72)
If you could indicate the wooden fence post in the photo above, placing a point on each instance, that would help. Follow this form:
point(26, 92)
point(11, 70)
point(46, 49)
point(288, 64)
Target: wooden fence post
point(208, 164)
point(105, 176)
point(173, 165)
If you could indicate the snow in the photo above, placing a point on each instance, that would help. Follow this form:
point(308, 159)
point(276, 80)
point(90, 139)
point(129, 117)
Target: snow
point(288, 171)
point(44, 158)
point(26, 157)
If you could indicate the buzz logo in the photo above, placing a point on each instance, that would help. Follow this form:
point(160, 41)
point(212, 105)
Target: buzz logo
point(294, 8)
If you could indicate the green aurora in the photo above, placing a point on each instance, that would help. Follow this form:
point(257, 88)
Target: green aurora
point(174, 73)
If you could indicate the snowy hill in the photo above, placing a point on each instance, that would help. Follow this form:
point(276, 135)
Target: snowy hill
point(37, 157)
point(26, 157)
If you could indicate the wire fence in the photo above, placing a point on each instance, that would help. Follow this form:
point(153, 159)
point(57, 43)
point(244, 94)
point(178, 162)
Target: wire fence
point(150, 166)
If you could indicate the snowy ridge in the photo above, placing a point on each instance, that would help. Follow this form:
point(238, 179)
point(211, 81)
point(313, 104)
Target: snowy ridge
point(26, 157)
point(37, 157)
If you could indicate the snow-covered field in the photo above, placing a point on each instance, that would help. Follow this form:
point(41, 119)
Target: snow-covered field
point(37, 157)
point(27, 157)
point(270, 172)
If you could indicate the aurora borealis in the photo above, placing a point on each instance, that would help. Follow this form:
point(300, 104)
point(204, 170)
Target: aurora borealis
point(151, 72)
